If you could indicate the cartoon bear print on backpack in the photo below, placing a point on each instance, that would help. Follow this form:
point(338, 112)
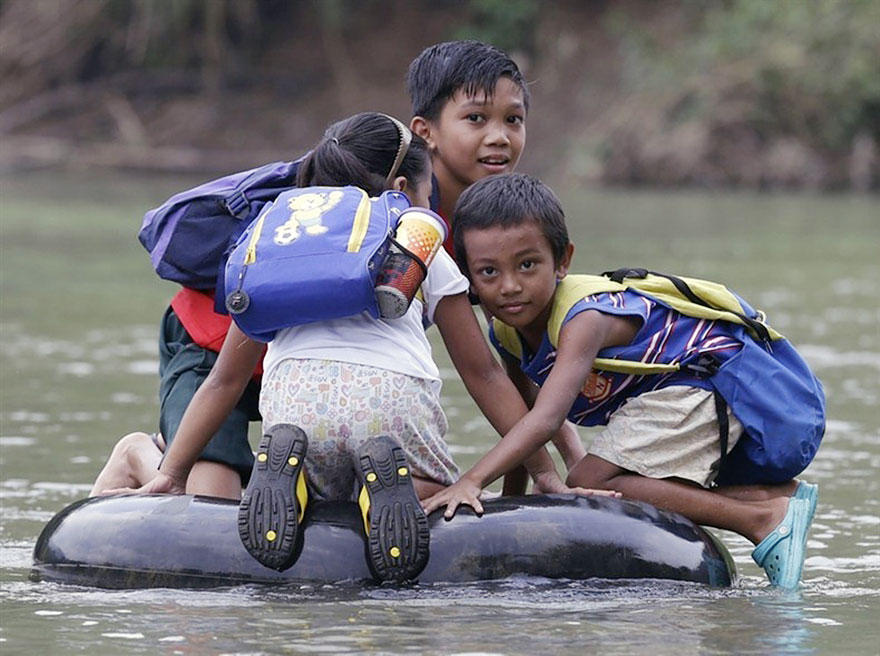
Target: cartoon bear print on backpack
point(306, 211)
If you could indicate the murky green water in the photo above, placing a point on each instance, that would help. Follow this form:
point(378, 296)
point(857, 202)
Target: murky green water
point(80, 307)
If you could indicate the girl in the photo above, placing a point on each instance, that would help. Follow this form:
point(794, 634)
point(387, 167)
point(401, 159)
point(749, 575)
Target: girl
point(345, 381)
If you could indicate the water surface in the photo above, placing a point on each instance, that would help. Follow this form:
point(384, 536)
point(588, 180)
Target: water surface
point(80, 309)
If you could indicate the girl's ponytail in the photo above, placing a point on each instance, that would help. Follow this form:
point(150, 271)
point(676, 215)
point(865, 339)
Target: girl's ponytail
point(367, 150)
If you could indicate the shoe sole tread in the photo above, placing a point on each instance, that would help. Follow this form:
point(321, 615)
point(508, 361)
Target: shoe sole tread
point(270, 503)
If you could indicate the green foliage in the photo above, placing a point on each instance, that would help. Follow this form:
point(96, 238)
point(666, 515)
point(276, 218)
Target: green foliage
point(507, 24)
point(804, 68)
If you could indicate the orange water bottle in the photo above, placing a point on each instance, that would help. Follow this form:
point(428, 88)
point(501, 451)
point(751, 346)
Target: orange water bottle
point(420, 234)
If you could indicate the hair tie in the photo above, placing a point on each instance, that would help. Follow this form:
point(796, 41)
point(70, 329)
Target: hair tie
point(334, 140)
point(405, 139)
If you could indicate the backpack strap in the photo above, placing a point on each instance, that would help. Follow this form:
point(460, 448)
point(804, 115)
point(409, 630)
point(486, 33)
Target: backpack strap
point(570, 290)
point(675, 292)
point(723, 424)
point(507, 337)
point(278, 175)
point(715, 297)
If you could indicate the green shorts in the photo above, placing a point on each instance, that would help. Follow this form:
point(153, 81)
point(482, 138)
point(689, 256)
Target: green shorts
point(183, 367)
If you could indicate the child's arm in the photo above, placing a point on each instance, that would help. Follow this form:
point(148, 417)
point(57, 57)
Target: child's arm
point(487, 382)
point(579, 342)
point(566, 440)
point(206, 412)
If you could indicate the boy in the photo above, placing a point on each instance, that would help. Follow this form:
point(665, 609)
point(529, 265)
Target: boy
point(664, 427)
point(469, 102)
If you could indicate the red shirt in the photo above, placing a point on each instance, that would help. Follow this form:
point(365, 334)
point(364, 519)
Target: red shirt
point(195, 309)
point(448, 243)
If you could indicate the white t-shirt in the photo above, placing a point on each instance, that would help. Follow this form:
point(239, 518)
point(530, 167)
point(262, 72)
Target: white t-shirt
point(395, 344)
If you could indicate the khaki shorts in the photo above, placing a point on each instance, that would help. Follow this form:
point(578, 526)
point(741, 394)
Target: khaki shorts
point(671, 432)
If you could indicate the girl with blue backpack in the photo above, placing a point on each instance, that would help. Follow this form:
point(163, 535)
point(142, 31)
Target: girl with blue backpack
point(351, 405)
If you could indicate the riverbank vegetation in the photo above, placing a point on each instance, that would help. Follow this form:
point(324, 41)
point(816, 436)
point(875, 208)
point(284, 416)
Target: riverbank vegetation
point(739, 93)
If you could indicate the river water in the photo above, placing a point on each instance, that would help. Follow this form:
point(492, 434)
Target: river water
point(80, 307)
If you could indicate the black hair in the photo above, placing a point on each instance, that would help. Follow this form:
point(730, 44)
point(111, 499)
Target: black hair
point(509, 200)
point(469, 66)
point(360, 151)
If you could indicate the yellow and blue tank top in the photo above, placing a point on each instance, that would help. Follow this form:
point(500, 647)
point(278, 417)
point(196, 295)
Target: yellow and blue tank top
point(722, 346)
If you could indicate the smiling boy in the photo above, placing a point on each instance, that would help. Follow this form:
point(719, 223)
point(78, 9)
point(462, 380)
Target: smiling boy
point(469, 102)
point(657, 374)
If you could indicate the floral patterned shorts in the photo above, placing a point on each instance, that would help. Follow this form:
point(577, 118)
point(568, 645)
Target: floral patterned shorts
point(339, 405)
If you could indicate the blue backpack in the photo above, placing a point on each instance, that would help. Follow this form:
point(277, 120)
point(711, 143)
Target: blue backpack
point(312, 255)
point(190, 235)
point(767, 384)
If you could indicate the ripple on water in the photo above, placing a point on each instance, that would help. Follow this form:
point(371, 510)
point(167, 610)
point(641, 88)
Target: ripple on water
point(26, 416)
point(98, 352)
point(17, 440)
point(125, 398)
point(16, 555)
point(827, 357)
point(143, 367)
point(76, 369)
point(869, 562)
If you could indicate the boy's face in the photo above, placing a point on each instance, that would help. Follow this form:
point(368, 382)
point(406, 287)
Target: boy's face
point(513, 272)
point(475, 136)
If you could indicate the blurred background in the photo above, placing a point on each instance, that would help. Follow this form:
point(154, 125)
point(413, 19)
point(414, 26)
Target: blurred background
point(734, 93)
point(735, 140)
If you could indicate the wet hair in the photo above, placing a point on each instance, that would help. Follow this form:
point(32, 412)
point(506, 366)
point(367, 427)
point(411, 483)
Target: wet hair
point(509, 200)
point(469, 66)
point(362, 150)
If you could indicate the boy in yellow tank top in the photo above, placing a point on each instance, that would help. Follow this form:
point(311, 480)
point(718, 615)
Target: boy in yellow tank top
point(661, 444)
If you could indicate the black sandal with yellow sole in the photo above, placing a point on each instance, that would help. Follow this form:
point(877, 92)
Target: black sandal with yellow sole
point(273, 504)
point(396, 526)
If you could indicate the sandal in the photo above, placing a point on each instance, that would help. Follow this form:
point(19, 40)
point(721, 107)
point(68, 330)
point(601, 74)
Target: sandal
point(272, 506)
point(395, 524)
point(782, 552)
point(810, 492)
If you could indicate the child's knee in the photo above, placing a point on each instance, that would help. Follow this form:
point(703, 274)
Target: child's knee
point(129, 449)
point(588, 480)
point(593, 472)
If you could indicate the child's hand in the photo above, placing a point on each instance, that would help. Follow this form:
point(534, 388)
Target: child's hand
point(464, 491)
point(590, 492)
point(548, 482)
point(160, 484)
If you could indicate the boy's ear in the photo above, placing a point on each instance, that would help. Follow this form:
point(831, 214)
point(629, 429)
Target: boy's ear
point(422, 127)
point(565, 262)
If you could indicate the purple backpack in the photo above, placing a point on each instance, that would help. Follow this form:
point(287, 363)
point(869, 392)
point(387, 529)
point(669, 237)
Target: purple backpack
point(190, 236)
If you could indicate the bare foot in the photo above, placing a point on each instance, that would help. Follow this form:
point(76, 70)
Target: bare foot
point(773, 512)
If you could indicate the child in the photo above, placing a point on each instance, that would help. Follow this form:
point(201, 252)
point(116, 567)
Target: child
point(663, 438)
point(469, 103)
point(339, 382)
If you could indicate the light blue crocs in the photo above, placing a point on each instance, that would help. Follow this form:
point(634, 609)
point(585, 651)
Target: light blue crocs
point(809, 492)
point(782, 552)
